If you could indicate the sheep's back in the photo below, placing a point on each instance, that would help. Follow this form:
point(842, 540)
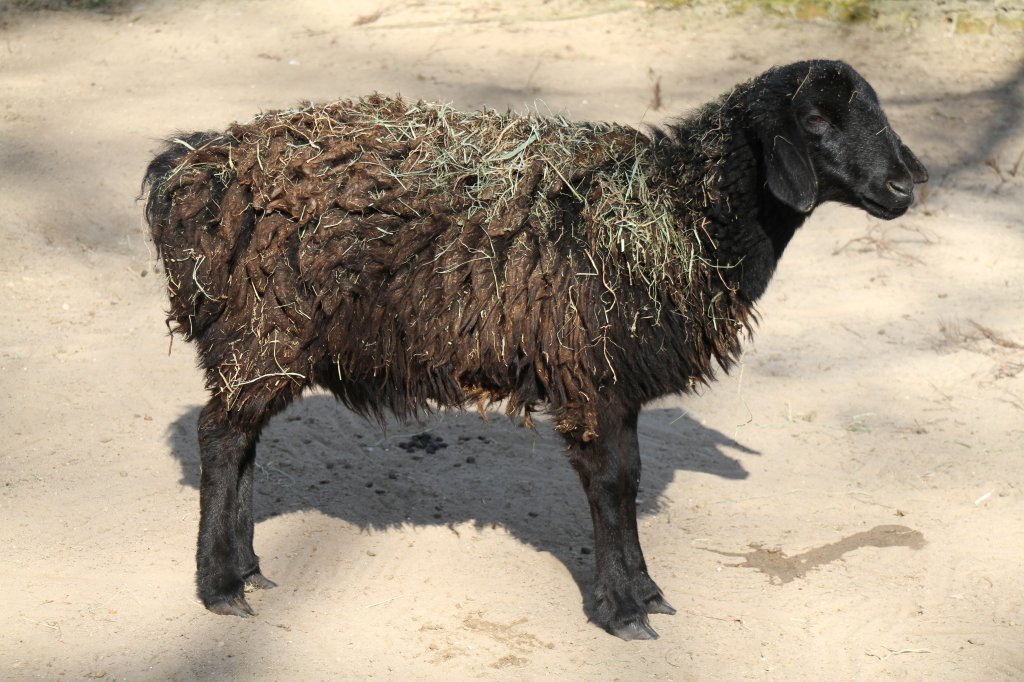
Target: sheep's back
point(403, 252)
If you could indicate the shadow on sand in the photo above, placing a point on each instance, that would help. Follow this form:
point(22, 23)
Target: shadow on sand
point(453, 468)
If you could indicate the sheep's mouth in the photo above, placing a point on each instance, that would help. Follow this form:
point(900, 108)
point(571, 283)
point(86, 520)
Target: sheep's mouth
point(884, 211)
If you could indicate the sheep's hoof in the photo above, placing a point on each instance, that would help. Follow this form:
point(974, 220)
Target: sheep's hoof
point(637, 628)
point(657, 604)
point(235, 605)
point(258, 581)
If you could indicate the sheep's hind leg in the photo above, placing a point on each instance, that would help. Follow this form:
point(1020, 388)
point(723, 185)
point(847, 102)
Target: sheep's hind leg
point(609, 468)
point(225, 449)
point(246, 561)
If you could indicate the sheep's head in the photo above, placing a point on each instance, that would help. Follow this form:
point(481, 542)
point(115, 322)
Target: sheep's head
point(826, 138)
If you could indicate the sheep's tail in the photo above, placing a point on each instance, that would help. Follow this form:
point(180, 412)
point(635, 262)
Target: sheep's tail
point(159, 205)
point(182, 211)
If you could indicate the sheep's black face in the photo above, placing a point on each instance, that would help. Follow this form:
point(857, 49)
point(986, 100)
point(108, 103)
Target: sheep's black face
point(857, 157)
point(834, 143)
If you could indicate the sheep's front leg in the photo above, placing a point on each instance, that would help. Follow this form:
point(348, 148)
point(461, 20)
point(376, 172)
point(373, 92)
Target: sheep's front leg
point(609, 468)
point(644, 587)
point(225, 512)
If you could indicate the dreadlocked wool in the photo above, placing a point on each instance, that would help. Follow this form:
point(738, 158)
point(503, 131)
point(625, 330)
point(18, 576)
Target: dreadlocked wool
point(402, 253)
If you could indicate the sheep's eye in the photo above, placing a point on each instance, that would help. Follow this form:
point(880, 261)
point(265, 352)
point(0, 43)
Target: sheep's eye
point(816, 124)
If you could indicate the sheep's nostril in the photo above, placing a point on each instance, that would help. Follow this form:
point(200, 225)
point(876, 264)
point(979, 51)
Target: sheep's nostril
point(901, 188)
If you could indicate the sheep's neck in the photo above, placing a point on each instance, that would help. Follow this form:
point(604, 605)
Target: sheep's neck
point(749, 227)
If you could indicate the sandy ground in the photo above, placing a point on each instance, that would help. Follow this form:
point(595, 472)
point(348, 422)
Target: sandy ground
point(847, 505)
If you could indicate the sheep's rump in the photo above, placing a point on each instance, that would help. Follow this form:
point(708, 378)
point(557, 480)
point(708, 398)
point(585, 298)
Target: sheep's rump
point(398, 253)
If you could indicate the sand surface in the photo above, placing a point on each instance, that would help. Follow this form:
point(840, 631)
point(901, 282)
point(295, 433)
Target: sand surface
point(848, 504)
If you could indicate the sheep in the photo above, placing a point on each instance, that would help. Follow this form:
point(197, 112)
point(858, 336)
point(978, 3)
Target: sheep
point(407, 256)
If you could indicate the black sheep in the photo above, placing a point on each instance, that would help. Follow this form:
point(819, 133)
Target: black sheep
point(406, 256)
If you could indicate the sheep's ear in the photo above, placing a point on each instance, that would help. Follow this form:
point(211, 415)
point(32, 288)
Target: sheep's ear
point(790, 176)
point(917, 170)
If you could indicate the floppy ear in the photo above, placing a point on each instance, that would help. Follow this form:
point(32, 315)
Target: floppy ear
point(917, 170)
point(788, 167)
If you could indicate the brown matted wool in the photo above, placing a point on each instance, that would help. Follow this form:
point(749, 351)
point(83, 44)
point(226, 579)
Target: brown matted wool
point(416, 253)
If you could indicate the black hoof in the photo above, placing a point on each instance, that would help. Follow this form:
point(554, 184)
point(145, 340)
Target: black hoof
point(258, 581)
point(234, 605)
point(657, 604)
point(634, 629)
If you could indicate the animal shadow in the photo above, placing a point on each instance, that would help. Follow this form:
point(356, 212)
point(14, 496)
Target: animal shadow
point(450, 468)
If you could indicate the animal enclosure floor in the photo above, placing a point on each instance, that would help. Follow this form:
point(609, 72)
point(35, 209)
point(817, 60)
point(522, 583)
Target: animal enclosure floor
point(848, 504)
